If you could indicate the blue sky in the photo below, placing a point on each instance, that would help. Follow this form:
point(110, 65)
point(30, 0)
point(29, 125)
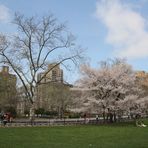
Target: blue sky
point(105, 28)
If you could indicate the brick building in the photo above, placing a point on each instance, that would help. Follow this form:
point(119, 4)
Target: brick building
point(7, 89)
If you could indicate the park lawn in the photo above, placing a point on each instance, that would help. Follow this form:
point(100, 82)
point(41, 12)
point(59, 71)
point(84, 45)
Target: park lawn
point(109, 136)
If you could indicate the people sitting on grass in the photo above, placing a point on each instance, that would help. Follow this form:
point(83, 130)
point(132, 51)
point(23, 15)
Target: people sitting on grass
point(140, 124)
point(6, 118)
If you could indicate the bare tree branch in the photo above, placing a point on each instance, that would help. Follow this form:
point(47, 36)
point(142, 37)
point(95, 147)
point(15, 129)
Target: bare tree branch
point(31, 48)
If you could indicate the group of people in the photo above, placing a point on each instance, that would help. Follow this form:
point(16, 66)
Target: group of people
point(5, 118)
point(140, 124)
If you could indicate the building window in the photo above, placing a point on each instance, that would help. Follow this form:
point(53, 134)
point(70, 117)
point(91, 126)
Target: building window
point(54, 75)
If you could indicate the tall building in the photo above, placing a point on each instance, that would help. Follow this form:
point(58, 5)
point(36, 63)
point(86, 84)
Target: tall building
point(51, 79)
point(52, 74)
point(142, 78)
point(142, 81)
point(7, 88)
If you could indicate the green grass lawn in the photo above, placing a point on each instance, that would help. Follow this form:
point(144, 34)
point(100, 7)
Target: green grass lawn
point(109, 136)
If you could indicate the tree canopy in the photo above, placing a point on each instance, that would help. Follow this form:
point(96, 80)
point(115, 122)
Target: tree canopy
point(111, 86)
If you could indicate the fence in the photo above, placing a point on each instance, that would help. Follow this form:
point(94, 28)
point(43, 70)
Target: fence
point(58, 122)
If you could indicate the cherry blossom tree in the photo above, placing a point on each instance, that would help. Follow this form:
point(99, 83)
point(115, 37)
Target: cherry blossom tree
point(106, 87)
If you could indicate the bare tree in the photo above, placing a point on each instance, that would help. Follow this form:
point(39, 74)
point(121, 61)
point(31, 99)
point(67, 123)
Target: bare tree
point(37, 43)
point(57, 97)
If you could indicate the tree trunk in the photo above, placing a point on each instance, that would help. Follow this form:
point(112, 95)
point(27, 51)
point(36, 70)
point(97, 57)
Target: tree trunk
point(104, 119)
point(32, 114)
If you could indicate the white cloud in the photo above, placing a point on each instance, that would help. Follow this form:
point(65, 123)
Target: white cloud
point(126, 28)
point(4, 13)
